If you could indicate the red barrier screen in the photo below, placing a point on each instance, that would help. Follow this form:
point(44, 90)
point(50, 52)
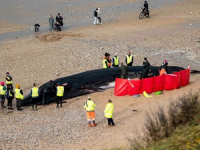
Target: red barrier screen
point(121, 87)
point(159, 83)
point(134, 86)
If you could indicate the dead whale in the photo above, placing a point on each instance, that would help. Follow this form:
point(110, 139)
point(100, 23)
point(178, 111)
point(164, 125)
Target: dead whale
point(95, 80)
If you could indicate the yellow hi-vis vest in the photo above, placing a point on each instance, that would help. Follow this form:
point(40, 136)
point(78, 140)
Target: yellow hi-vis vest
point(116, 59)
point(8, 82)
point(109, 110)
point(18, 95)
point(35, 92)
point(129, 58)
point(2, 92)
point(104, 63)
point(89, 105)
point(60, 90)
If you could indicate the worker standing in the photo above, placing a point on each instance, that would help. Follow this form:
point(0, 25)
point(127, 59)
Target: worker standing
point(9, 80)
point(19, 97)
point(115, 60)
point(105, 61)
point(35, 96)
point(89, 105)
point(60, 93)
point(129, 59)
point(9, 95)
point(47, 92)
point(146, 66)
point(124, 71)
point(109, 113)
point(2, 94)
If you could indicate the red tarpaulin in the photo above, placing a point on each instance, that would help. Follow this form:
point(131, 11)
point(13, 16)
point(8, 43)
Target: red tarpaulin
point(147, 85)
point(121, 87)
point(134, 86)
point(178, 79)
point(170, 81)
point(159, 83)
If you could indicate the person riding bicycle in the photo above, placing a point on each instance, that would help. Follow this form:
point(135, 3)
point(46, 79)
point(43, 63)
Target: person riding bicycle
point(146, 8)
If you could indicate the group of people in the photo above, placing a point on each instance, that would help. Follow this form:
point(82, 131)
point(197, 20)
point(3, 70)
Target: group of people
point(51, 88)
point(55, 25)
point(52, 23)
point(7, 92)
point(107, 63)
point(90, 105)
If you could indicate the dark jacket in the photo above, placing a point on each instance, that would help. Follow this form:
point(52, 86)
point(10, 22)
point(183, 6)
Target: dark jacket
point(8, 78)
point(165, 66)
point(37, 25)
point(95, 14)
point(11, 92)
point(123, 70)
point(146, 66)
point(146, 6)
point(60, 20)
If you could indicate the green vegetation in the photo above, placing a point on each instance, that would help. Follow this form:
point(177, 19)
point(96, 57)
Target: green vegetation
point(175, 129)
point(186, 137)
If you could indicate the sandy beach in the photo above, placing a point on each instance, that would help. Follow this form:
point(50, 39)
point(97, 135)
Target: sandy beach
point(171, 33)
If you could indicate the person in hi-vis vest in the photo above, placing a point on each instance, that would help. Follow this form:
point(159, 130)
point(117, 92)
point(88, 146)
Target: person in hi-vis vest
point(60, 94)
point(2, 94)
point(89, 106)
point(108, 112)
point(115, 61)
point(35, 96)
point(9, 80)
point(19, 97)
point(129, 59)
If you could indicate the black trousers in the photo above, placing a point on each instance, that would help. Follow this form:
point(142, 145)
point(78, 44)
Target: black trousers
point(99, 19)
point(9, 104)
point(145, 74)
point(18, 104)
point(59, 99)
point(36, 29)
point(110, 121)
point(34, 102)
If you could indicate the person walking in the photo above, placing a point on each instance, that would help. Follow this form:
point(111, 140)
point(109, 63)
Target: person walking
point(108, 112)
point(146, 66)
point(124, 71)
point(59, 19)
point(115, 60)
point(60, 93)
point(89, 105)
point(9, 80)
point(95, 16)
point(2, 94)
point(9, 95)
point(51, 23)
point(19, 97)
point(129, 59)
point(35, 96)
